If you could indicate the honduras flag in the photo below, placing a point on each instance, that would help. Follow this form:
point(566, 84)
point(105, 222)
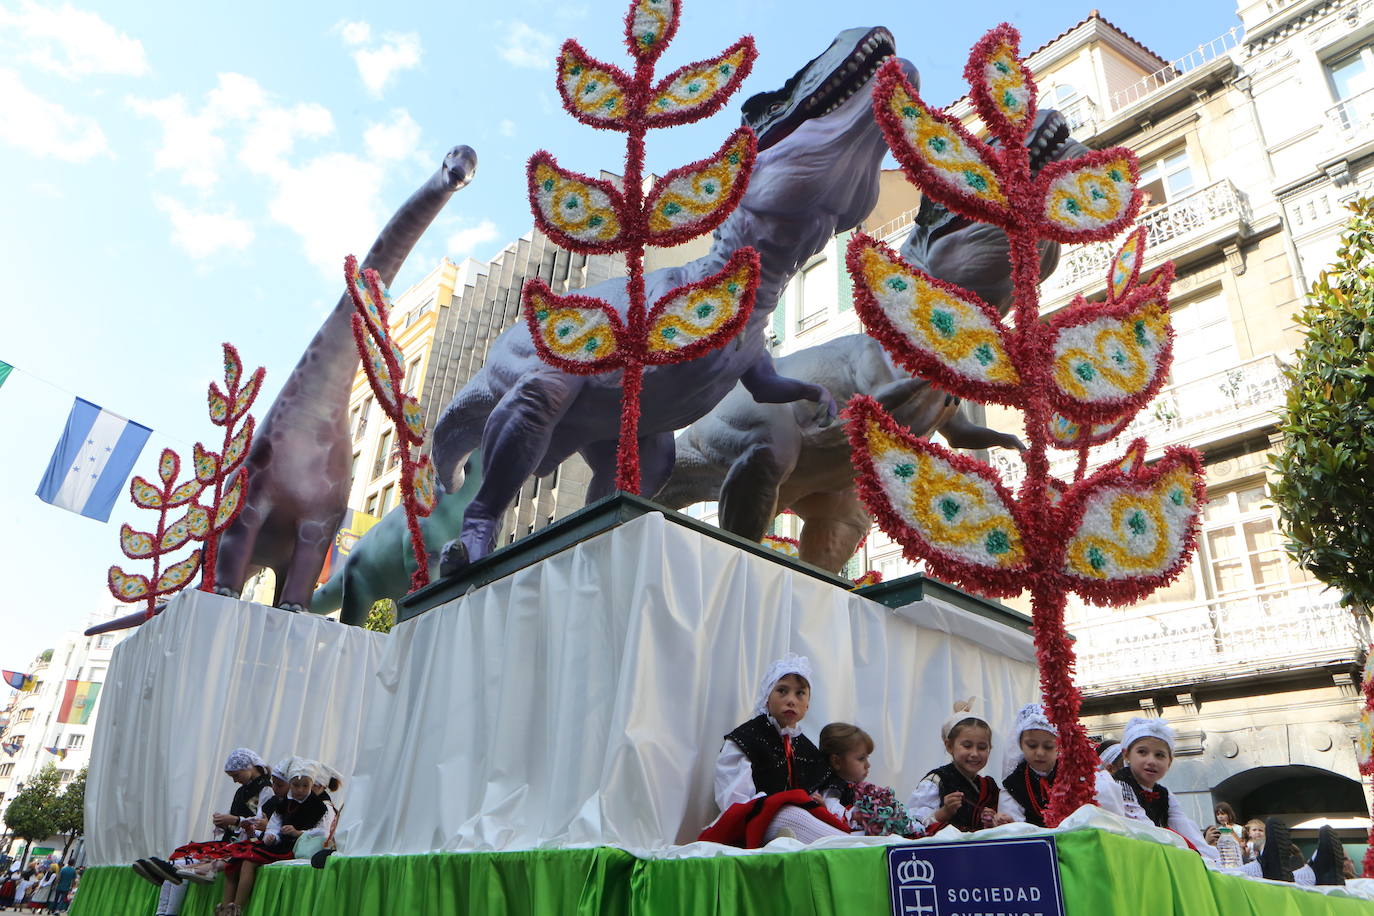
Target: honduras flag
point(92, 460)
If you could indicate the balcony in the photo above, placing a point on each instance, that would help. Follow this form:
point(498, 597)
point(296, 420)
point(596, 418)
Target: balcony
point(1353, 114)
point(1082, 116)
point(1265, 631)
point(1222, 405)
point(1216, 207)
point(1203, 54)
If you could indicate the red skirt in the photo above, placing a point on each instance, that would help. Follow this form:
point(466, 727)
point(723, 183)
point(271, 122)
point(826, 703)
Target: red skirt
point(257, 853)
point(201, 852)
point(745, 823)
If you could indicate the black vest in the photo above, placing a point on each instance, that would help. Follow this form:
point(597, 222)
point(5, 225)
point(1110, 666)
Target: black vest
point(1031, 791)
point(763, 746)
point(978, 797)
point(245, 803)
point(303, 815)
point(1154, 802)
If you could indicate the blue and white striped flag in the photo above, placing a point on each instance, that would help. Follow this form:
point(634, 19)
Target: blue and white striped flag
point(92, 460)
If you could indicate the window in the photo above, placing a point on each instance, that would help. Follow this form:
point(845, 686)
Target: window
point(362, 418)
point(819, 287)
point(1204, 343)
point(1064, 93)
point(66, 775)
point(17, 741)
point(1353, 73)
point(380, 464)
point(76, 740)
point(372, 505)
point(25, 715)
point(1166, 179)
point(412, 375)
point(353, 467)
point(353, 418)
point(1241, 544)
point(387, 492)
point(6, 769)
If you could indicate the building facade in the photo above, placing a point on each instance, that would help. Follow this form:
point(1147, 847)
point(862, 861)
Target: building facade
point(59, 713)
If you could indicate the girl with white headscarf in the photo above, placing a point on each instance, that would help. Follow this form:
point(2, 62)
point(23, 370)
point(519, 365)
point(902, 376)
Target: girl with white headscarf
point(1031, 764)
point(768, 772)
point(1135, 791)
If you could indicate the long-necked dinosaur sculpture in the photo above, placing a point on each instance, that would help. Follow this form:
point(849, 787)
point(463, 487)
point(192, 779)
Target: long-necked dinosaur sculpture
point(299, 462)
point(816, 174)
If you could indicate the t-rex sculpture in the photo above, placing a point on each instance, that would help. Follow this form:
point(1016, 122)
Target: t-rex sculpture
point(758, 459)
point(298, 465)
point(816, 174)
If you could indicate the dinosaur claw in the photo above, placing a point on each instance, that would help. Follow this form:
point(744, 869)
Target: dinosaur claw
point(453, 559)
point(292, 608)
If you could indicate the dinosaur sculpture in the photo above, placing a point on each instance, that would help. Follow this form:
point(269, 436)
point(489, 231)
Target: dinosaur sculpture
point(381, 562)
point(816, 174)
point(299, 462)
point(758, 459)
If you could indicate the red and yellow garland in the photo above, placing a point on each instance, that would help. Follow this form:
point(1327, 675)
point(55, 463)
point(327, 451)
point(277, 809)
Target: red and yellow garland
point(585, 335)
point(1079, 378)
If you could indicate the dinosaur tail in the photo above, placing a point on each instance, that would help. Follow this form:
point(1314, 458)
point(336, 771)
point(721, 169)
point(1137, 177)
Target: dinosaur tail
point(329, 597)
point(693, 481)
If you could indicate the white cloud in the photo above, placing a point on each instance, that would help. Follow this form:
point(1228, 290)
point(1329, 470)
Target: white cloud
point(354, 33)
point(332, 203)
point(379, 60)
point(396, 139)
point(45, 128)
point(190, 145)
point(506, 127)
point(201, 233)
point(271, 136)
point(527, 47)
point(72, 42)
point(462, 243)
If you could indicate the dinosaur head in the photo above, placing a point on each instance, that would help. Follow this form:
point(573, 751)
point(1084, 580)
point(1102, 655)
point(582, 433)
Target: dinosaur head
point(976, 255)
point(819, 146)
point(818, 88)
point(460, 165)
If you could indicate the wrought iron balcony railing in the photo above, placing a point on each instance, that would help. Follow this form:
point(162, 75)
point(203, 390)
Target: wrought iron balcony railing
point(1245, 396)
point(1225, 637)
point(1204, 53)
point(1353, 114)
point(1202, 209)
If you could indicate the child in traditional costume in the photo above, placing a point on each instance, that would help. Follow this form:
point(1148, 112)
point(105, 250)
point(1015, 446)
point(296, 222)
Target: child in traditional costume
point(1109, 756)
point(1031, 763)
point(956, 794)
point(1135, 792)
point(768, 772)
point(869, 810)
point(301, 813)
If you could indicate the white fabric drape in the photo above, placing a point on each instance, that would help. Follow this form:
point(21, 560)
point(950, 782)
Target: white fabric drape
point(208, 675)
point(582, 700)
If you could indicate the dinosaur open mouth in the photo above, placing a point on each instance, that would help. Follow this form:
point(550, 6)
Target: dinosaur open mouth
point(853, 76)
point(1048, 140)
point(823, 85)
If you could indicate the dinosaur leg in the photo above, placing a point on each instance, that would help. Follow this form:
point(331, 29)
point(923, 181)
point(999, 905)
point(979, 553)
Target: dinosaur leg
point(459, 431)
point(833, 525)
point(749, 496)
point(764, 384)
point(655, 465)
point(600, 457)
point(961, 432)
point(313, 540)
point(516, 437)
point(236, 548)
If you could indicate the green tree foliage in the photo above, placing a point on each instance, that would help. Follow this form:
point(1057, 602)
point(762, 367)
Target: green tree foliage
point(382, 617)
point(32, 816)
point(1325, 469)
point(69, 811)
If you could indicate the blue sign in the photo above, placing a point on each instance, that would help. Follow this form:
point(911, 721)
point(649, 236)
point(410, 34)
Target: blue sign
point(976, 878)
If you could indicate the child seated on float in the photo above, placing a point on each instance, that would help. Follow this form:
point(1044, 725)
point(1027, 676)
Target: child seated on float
point(768, 772)
point(249, 772)
point(301, 814)
point(212, 861)
point(955, 794)
point(1135, 792)
point(1109, 756)
point(1031, 763)
point(869, 810)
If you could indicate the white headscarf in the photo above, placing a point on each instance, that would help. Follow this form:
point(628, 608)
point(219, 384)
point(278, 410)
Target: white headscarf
point(282, 767)
point(241, 759)
point(1030, 716)
point(1111, 755)
point(791, 663)
point(963, 710)
point(1139, 728)
point(312, 769)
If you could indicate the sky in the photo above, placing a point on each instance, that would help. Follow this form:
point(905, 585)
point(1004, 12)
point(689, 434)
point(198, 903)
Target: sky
point(186, 173)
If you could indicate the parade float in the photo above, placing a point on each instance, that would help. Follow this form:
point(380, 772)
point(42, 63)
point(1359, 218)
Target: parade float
point(538, 732)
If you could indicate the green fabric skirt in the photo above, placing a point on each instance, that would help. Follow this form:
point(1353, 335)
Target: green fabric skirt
point(1101, 874)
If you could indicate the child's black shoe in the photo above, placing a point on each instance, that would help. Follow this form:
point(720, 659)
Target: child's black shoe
point(1329, 862)
point(1274, 858)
